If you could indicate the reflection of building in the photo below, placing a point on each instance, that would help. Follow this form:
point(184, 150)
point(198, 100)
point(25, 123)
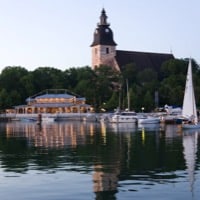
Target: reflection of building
point(105, 181)
point(51, 135)
point(53, 101)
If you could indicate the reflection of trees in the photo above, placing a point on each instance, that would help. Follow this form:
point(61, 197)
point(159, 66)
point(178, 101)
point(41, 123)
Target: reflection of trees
point(111, 156)
point(14, 154)
point(152, 157)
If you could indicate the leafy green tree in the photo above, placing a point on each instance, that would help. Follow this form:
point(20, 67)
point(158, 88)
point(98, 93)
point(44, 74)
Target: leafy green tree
point(71, 78)
point(11, 83)
point(4, 102)
point(129, 72)
point(112, 103)
point(106, 81)
point(11, 78)
point(47, 78)
point(148, 102)
point(103, 87)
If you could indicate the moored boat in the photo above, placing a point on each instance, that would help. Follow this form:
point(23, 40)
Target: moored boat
point(148, 120)
point(123, 117)
point(49, 119)
point(189, 110)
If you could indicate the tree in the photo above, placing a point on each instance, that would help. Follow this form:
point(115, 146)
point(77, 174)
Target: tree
point(11, 82)
point(113, 102)
point(106, 81)
point(47, 78)
point(148, 102)
point(10, 78)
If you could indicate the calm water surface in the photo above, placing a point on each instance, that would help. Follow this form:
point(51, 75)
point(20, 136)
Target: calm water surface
point(83, 160)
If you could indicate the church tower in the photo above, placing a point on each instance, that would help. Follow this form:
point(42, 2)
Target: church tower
point(103, 45)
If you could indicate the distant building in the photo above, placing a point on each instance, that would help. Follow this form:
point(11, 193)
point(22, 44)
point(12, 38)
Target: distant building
point(104, 51)
point(53, 101)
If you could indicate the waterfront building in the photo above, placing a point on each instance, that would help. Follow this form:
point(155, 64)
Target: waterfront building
point(53, 101)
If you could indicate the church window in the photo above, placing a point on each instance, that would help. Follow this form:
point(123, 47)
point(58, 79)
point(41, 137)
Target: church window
point(107, 50)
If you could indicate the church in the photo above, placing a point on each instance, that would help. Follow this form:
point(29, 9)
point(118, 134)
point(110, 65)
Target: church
point(104, 51)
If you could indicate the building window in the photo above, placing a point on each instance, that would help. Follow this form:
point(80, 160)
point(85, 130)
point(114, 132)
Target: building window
point(107, 50)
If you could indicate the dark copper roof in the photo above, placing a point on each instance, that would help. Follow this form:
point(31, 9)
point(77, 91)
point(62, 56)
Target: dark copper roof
point(142, 59)
point(103, 35)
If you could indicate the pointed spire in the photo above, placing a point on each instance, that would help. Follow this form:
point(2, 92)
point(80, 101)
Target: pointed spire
point(103, 18)
point(103, 34)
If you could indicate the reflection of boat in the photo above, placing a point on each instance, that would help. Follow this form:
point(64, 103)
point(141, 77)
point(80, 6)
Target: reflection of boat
point(171, 119)
point(189, 104)
point(148, 120)
point(149, 127)
point(190, 151)
point(27, 119)
point(122, 127)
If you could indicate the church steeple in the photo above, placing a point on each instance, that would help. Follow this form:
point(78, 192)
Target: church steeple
point(103, 18)
point(103, 45)
point(103, 35)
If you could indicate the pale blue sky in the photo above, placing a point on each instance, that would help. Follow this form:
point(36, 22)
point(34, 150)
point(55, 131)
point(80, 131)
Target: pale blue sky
point(58, 33)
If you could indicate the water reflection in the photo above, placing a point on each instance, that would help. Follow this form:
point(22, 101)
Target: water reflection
point(116, 157)
point(121, 127)
point(190, 154)
point(150, 127)
point(52, 135)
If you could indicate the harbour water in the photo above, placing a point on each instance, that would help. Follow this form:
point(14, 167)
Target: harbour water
point(85, 160)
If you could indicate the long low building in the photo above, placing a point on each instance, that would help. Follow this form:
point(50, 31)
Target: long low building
point(53, 101)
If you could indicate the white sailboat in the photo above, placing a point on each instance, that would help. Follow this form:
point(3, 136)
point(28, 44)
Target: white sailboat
point(189, 110)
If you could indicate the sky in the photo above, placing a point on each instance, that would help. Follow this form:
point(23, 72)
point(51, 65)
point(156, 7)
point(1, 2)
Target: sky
point(58, 33)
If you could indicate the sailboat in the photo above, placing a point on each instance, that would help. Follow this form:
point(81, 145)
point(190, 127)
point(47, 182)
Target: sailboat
point(189, 110)
point(126, 116)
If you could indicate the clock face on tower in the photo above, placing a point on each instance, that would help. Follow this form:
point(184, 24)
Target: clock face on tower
point(96, 31)
point(107, 30)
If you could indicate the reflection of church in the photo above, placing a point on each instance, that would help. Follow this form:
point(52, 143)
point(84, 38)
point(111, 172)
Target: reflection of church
point(104, 51)
point(105, 181)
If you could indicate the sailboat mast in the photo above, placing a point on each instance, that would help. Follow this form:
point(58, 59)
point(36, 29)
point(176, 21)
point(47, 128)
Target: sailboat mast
point(128, 97)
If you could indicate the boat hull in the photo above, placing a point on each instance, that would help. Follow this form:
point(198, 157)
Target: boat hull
point(145, 119)
point(191, 126)
point(123, 117)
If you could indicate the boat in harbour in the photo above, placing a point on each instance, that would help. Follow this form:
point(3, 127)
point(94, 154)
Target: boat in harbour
point(123, 117)
point(49, 119)
point(46, 118)
point(126, 116)
point(189, 110)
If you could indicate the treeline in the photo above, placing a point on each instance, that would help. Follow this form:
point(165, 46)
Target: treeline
point(103, 88)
